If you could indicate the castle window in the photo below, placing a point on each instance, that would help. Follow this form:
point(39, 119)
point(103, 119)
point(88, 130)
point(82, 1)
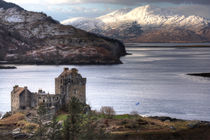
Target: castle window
point(75, 91)
point(55, 98)
point(23, 107)
point(43, 101)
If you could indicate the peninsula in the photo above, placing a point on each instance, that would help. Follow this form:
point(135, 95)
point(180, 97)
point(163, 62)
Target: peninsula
point(34, 38)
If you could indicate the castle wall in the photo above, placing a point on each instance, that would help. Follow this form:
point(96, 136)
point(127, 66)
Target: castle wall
point(50, 100)
point(22, 101)
point(57, 86)
point(34, 100)
point(76, 90)
point(71, 84)
point(28, 98)
point(15, 104)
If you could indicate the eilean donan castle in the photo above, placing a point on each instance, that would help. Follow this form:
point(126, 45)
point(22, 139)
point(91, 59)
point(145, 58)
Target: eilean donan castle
point(68, 84)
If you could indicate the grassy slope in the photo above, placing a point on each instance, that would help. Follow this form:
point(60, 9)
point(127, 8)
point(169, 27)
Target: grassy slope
point(127, 127)
point(133, 127)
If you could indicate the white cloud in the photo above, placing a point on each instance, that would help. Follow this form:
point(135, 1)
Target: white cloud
point(75, 9)
point(129, 2)
point(62, 9)
point(25, 1)
point(61, 1)
point(194, 9)
point(41, 2)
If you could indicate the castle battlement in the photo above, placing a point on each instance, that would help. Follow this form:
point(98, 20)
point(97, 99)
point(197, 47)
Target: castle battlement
point(67, 85)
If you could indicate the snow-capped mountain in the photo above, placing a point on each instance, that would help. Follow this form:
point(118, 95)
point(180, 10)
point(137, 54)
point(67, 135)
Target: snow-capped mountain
point(147, 22)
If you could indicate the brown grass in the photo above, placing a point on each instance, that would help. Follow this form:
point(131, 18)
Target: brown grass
point(27, 127)
point(12, 120)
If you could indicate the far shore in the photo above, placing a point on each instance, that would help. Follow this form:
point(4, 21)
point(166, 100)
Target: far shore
point(8, 67)
point(183, 46)
point(159, 44)
point(200, 74)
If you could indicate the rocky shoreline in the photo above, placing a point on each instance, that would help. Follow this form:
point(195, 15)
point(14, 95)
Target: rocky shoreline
point(76, 61)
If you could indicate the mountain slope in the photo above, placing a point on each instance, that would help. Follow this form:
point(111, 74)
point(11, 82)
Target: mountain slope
point(34, 38)
point(147, 24)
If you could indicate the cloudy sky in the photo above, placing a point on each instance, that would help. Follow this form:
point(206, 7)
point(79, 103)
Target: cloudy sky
point(64, 9)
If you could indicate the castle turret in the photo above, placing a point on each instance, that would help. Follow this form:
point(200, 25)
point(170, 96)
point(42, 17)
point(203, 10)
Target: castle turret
point(66, 69)
point(20, 98)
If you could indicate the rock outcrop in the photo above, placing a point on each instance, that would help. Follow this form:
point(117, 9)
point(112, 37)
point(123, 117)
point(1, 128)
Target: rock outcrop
point(35, 38)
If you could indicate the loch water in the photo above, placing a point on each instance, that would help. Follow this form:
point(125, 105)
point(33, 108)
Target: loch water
point(151, 81)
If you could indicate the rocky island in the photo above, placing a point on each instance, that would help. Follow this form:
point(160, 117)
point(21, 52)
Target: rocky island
point(7, 67)
point(35, 38)
point(200, 74)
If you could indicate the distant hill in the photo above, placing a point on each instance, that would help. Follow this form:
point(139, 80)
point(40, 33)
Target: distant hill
point(7, 5)
point(35, 38)
point(147, 24)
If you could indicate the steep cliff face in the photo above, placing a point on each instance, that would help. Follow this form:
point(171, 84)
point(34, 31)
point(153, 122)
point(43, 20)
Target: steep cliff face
point(34, 38)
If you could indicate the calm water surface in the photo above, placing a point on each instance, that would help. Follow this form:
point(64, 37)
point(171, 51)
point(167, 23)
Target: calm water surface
point(154, 77)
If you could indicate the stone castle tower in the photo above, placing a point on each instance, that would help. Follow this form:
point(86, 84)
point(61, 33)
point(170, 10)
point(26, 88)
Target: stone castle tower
point(67, 85)
point(71, 84)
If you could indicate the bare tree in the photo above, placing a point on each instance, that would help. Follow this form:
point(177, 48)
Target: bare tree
point(134, 113)
point(108, 111)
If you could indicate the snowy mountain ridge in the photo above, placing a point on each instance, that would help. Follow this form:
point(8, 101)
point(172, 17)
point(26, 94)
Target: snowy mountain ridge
point(145, 16)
